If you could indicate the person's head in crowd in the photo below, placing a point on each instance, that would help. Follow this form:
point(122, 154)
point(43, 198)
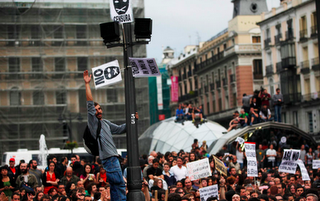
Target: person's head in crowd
point(150, 159)
point(189, 197)
point(281, 188)
point(12, 162)
point(277, 181)
point(187, 183)
point(174, 197)
point(172, 189)
point(39, 195)
point(312, 197)
point(87, 198)
point(236, 197)
point(69, 172)
point(101, 189)
point(22, 192)
point(24, 168)
point(64, 160)
point(155, 163)
point(78, 158)
point(153, 154)
point(292, 179)
point(242, 191)
point(87, 169)
point(61, 188)
point(263, 197)
point(52, 192)
point(231, 180)
point(92, 189)
point(38, 189)
point(4, 171)
point(233, 171)
point(73, 158)
point(158, 183)
point(180, 191)
point(288, 197)
point(244, 198)
point(186, 159)
point(179, 184)
point(45, 198)
point(254, 194)
point(273, 190)
point(299, 190)
point(161, 158)
point(166, 167)
point(15, 197)
point(279, 197)
point(204, 182)
point(96, 196)
point(52, 166)
point(307, 185)
point(300, 198)
point(179, 162)
point(83, 162)
point(210, 181)
point(174, 154)
point(69, 187)
point(229, 195)
point(292, 189)
point(174, 162)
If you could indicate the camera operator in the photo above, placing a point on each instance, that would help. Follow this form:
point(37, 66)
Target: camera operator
point(265, 97)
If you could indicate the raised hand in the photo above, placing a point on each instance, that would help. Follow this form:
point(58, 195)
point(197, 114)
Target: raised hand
point(86, 76)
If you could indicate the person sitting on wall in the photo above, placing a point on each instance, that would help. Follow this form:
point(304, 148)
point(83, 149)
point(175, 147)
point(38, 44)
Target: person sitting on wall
point(243, 118)
point(265, 114)
point(179, 114)
point(197, 114)
point(188, 112)
point(254, 116)
point(234, 122)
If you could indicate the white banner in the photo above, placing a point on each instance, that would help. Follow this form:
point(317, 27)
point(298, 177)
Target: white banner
point(143, 67)
point(121, 11)
point(291, 155)
point(316, 164)
point(209, 191)
point(199, 169)
point(240, 140)
point(252, 167)
point(106, 74)
point(289, 161)
point(288, 167)
point(159, 93)
point(304, 172)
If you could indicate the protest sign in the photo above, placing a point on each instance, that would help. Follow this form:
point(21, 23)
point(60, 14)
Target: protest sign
point(289, 161)
point(142, 67)
point(106, 74)
point(220, 167)
point(199, 169)
point(209, 191)
point(240, 140)
point(252, 167)
point(315, 164)
point(304, 172)
point(121, 11)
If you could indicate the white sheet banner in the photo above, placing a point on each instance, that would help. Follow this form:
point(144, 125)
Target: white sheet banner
point(288, 167)
point(121, 11)
point(240, 140)
point(209, 191)
point(304, 172)
point(199, 169)
point(289, 161)
point(252, 168)
point(316, 164)
point(250, 149)
point(106, 74)
point(143, 67)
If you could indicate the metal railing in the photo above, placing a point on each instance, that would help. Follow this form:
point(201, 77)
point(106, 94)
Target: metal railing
point(232, 78)
point(212, 86)
point(314, 31)
point(218, 84)
point(269, 70)
point(305, 67)
point(315, 64)
point(289, 62)
point(279, 67)
point(289, 35)
point(257, 76)
point(267, 43)
point(224, 81)
point(277, 38)
point(303, 34)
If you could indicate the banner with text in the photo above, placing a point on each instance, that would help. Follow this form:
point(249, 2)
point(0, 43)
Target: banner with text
point(304, 172)
point(174, 89)
point(289, 161)
point(199, 169)
point(240, 140)
point(220, 167)
point(209, 191)
point(252, 167)
point(143, 67)
point(316, 164)
point(121, 11)
point(106, 74)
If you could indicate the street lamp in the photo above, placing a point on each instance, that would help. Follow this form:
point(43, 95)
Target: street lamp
point(62, 119)
point(111, 37)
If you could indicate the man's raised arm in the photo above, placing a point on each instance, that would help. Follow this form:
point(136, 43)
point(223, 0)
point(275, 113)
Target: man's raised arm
point(87, 80)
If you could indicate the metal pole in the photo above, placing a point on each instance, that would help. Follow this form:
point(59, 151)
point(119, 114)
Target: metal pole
point(318, 21)
point(70, 127)
point(134, 182)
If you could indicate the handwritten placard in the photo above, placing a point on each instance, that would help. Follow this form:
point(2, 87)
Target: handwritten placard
point(220, 167)
point(199, 169)
point(209, 191)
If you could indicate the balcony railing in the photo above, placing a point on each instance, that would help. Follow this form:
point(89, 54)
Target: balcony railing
point(190, 95)
point(305, 68)
point(218, 84)
point(315, 64)
point(291, 99)
point(303, 35)
point(257, 76)
point(289, 35)
point(279, 67)
point(311, 96)
point(269, 70)
point(289, 62)
point(267, 43)
point(277, 38)
point(211, 60)
point(224, 81)
point(212, 86)
point(314, 31)
point(232, 78)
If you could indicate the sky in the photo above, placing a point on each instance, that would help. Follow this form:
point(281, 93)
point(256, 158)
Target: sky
point(177, 23)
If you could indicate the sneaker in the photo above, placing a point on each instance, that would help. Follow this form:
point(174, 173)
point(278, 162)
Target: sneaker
point(201, 120)
point(193, 120)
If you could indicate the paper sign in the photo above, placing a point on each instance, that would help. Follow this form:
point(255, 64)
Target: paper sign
point(291, 155)
point(220, 167)
point(142, 67)
point(304, 172)
point(106, 74)
point(209, 191)
point(199, 169)
point(316, 164)
point(121, 11)
point(240, 140)
point(252, 167)
point(174, 89)
point(289, 161)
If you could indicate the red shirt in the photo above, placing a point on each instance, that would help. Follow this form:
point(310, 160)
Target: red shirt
point(13, 170)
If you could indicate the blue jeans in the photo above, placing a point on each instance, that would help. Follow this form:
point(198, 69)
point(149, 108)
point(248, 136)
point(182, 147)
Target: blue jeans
point(115, 179)
point(277, 113)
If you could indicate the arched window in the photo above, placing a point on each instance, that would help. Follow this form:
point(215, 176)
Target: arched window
point(15, 96)
point(38, 97)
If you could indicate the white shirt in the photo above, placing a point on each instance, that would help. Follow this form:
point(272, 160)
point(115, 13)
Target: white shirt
point(271, 152)
point(179, 173)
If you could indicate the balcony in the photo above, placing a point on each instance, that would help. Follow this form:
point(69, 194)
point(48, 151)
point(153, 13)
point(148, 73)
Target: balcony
point(289, 62)
point(189, 73)
point(310, 97)
point(267, 43)
point(279, 67)
point(303, 35)
point(190, 95)
point(315, 64)
point(184, 76)
point(292, 99)
point(224, 81)
point(218, 84)
point(232, 78)
point(314, 31)
point(289, 35)
point(206, 89)
point(269, 70)
point(257, 76)
point(277, 39)
point(212, 86)
point(305, 69)
point(194, 71)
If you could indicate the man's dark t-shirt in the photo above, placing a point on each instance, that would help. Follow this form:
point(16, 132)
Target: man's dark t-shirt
point(153, 171)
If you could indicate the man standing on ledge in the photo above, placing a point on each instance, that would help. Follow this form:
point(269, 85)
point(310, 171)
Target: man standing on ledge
point(107, 149)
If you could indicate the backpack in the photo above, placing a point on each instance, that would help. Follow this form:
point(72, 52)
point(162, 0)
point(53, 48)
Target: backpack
point(90, 144)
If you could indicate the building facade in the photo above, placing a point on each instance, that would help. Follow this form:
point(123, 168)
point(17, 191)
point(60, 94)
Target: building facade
point(291, 62)
point(45, 47)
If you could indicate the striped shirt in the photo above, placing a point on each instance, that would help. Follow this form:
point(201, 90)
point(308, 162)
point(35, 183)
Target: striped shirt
point(107, 147)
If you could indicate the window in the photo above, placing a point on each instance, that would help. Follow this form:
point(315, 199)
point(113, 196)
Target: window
point(57, 34)
point(38, 97)
point(190, 84)
point(13, 34)
point(267, 33)
point(185, 88)
point(112, 95)
point(303, 26)
point(225, 46)
point(15, 96)
point(234, 99)
point(257, 69)
point(61, 96)
point(59, 64)
point(82, 101)
point(35, 34)
point(81, 33)
point(36, 64)
point(14, 67)
point(256, 39)
point(82, 63)
point(310, 122)
point(295, 118)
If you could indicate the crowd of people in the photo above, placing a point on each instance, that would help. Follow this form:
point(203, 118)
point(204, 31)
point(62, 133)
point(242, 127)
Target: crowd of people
point(186, 111)
point(256, 109)
point(165, 177)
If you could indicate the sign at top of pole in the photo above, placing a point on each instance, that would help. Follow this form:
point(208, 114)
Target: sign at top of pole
point(121, 11)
